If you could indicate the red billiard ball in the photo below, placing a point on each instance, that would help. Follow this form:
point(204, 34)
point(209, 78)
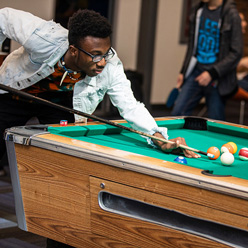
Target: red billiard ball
point(215, 151)
point(63, 123)
point(243, 153)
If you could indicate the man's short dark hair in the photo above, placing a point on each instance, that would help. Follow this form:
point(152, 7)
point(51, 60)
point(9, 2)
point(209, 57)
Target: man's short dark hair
point(85, 23)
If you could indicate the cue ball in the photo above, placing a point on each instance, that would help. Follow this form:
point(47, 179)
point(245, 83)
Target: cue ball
point(243, 153)
point(227, 158)
point(181, 160)
point(215, 151)
point(227, 148)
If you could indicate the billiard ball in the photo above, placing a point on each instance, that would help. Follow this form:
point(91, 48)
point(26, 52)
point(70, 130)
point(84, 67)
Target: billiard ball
point(181, 160)
point(235, 148)
point(63, 123)
point(227, 148)
point(215, 151)
point(227, 158)
point(243, 153)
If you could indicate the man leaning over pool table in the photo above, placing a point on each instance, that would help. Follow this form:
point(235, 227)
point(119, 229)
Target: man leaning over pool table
point(53, 62)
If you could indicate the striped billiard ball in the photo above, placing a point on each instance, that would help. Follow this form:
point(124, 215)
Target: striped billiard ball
point(243, 153)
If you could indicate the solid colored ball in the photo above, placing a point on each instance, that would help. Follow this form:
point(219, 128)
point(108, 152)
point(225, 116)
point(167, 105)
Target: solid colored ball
point(215, 151)
point(227, 158)
point(227, 148)
point(235, 148)
point(243, 153)
point(181, 160)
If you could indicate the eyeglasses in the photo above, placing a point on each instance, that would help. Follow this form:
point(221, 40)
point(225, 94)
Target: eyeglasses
point(96, 58)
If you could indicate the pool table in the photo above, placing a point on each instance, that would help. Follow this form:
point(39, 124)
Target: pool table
point(96, 185)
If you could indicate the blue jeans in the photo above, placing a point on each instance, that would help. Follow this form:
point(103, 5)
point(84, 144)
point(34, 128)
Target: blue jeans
point(191, 93)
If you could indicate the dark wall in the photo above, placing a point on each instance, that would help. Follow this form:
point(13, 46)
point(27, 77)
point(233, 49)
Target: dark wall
point(242, 6)
point(65, 8)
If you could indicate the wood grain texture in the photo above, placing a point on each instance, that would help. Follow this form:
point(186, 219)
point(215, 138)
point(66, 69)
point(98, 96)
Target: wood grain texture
point(191, 207)
point(182, 170)
point(138, 232)
point(60, 202)
point(55, 193)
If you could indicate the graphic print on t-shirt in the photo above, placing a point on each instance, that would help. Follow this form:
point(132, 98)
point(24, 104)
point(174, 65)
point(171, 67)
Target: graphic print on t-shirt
point(208, 41)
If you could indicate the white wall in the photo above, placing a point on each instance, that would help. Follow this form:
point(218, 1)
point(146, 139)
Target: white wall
point(126, 31)
point(169, 54)
point(44, 9)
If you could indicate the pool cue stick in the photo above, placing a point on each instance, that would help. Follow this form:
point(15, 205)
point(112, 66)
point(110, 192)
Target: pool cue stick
point(96, 118)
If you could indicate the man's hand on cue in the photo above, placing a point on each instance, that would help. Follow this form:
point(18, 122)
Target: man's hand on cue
point(174, 148)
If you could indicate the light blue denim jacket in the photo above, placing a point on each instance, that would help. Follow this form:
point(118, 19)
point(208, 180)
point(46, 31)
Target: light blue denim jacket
point(43, 44)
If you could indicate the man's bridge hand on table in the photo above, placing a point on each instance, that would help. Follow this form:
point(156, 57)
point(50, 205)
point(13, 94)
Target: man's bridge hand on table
point(175, 147)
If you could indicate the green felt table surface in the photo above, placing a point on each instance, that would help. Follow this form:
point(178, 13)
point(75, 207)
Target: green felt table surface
point(216, 134)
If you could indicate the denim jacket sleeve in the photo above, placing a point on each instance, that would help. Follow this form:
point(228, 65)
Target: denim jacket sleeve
point(17, 25)
point(42, 44)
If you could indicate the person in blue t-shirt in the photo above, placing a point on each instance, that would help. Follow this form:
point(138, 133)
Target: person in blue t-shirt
point(214, 50)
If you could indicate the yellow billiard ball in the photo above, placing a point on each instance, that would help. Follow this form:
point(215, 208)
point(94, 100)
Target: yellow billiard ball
point(235, 148)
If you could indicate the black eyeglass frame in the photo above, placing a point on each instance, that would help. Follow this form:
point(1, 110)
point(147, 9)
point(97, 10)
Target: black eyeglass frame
point(98, 58)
